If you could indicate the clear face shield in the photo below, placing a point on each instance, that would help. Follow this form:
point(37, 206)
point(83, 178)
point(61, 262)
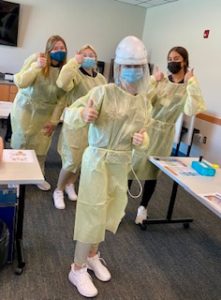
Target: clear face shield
point(132, 78)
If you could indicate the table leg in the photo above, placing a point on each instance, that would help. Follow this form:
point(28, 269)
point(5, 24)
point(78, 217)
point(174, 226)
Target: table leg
point(19, 230)
point(172, 201)
point(168, 219)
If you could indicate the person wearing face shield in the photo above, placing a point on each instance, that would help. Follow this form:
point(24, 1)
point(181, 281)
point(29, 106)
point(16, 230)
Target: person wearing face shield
point(177, 93)
point(116, 115)
point(77, 77)
point(39, 103)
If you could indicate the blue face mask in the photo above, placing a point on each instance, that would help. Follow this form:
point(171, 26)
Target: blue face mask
point(131, 75)
point(88, 63)
point(58, 56)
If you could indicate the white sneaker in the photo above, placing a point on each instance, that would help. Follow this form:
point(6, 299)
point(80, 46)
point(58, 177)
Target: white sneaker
point(69, 189)
point(58, 197)
point(44, 186)
point(141, 215)
point(83, 282)
point(101, 272)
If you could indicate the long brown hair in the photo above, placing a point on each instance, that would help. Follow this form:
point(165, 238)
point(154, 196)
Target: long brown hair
point(49, 46)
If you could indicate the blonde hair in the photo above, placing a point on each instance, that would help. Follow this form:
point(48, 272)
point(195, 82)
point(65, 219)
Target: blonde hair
point(87, 46)
point(49, 47)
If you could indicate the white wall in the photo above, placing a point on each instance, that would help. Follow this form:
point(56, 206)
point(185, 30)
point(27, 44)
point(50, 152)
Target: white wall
point(182, 23)
point(212, 149)
point(103, 23)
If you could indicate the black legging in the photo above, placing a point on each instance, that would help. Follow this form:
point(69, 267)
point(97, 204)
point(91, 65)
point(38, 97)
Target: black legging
point(148, 190)
point(8, 129)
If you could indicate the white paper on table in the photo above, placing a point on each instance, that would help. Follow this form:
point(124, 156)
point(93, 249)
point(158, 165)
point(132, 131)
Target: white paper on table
point(214, 199)
point(177, 167)
point(17, 156)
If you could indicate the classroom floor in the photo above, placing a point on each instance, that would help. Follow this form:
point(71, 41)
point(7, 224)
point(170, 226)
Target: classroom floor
point(165, 262)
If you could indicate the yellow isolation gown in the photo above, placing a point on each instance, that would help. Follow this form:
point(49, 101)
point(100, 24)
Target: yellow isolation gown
point(102, 196)
point(77, 82)
point(37, 102)
point(170, 101)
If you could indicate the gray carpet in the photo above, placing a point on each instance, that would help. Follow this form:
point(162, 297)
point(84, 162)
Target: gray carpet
point(165, 262)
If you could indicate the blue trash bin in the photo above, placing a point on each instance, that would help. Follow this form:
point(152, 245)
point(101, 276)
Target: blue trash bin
point(4, 243)
point(8, 209)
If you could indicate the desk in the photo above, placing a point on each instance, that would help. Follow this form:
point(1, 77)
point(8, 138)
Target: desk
point(20, 167)
point(179, 169)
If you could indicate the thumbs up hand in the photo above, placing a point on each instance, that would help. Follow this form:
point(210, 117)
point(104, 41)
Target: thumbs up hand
point(79, 58)
point(158, 75)
point(89, 114)
point(41, 60)
point(138, 137)
point(189, 74)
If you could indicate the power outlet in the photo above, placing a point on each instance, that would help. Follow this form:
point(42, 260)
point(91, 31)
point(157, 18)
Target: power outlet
point(198, 138)
point(204, 140)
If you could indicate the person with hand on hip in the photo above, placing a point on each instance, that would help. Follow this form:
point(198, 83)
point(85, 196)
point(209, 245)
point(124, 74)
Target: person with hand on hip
point(39, 103)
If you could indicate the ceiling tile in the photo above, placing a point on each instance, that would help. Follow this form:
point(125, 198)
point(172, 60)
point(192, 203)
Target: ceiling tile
point(147, 3)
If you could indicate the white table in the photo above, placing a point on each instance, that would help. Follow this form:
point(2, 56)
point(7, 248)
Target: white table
point(20, 167)
point(5, 109)
point(194, 184)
